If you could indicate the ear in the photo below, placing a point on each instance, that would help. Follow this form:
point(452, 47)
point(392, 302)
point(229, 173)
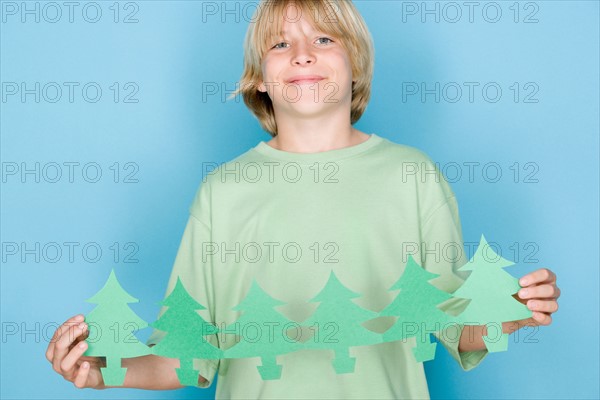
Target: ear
point(261, 87)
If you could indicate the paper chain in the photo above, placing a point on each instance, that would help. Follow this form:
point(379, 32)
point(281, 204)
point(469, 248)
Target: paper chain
point(265, 333)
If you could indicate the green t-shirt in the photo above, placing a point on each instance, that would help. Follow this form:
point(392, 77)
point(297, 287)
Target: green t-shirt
point(287, 220)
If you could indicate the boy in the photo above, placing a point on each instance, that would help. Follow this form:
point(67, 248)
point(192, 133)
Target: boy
point(340, 198)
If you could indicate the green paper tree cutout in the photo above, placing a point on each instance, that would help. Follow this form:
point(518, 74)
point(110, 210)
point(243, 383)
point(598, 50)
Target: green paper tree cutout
point(111, 324)
point(416, 309)
point(185, 334)
point(340, 320)
point(490, 290)
point(263, 332)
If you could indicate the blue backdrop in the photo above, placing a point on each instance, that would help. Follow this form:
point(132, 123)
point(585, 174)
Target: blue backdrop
point(110, 111)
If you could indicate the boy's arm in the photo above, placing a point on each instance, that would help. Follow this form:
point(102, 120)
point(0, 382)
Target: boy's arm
point(65, 350)
point(442, 227)
point(471, 338)
point(153, 372)
point(193, 266)
point(65, 353)
point(442, 230)
point(539, 293)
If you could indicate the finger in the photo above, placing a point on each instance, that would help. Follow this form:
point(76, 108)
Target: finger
point(529, 322)
point(542, 275)
point(61, 348)
point(539, 292)
point(82, 375)
point(548, 307)
point(60, 332)
point(69, 362)
point(542, 318)
point(510, 327)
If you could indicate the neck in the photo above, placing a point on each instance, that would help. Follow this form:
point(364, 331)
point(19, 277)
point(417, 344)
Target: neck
point(312, 135)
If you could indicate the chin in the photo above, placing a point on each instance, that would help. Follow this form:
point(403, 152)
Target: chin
point(312, 110)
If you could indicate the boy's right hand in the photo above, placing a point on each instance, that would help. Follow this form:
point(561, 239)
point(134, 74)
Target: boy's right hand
point(65, 353)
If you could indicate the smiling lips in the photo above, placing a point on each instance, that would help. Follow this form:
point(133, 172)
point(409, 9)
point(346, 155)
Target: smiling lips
point(304, 79)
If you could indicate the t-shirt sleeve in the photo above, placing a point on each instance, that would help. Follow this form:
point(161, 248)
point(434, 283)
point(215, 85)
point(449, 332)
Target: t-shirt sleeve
point(443, 253)
point(194, 268)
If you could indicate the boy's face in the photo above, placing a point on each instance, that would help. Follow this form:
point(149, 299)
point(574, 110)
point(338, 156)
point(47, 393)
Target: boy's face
point(306, 72)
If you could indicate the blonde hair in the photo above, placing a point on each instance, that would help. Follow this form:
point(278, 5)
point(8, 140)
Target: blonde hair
point(338, 18)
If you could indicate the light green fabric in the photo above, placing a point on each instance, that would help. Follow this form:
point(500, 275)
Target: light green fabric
point(364, 207)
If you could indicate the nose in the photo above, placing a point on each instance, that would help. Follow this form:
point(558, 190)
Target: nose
point(303, 54)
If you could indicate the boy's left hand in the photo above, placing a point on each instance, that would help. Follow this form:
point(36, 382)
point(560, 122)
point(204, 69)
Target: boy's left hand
point(540, 294)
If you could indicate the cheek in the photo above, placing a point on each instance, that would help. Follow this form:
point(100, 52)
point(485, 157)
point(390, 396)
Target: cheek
point(345, 64)
point(268, 70)
point(347, 74)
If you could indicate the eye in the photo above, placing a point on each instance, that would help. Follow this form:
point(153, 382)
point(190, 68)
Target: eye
point(327, 40)
point(278, 45)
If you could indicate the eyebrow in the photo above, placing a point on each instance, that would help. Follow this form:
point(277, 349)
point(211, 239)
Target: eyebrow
point(315, 30)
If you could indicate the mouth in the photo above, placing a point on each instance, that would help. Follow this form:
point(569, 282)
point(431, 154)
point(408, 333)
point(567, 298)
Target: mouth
point(304, 80)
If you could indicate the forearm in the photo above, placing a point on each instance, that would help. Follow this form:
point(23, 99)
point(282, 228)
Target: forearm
point(471, 338)
point(150, 372)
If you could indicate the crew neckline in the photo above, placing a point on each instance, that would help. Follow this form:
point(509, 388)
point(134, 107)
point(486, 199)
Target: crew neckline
point(328, 155)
